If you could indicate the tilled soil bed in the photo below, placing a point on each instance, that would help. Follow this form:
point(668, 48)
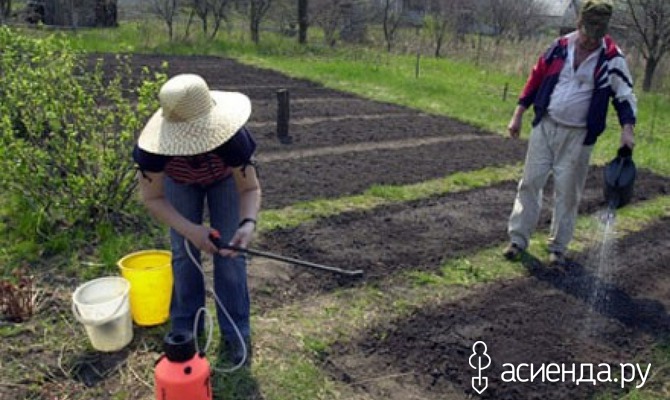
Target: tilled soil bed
point(577, 316)
point(415, 235)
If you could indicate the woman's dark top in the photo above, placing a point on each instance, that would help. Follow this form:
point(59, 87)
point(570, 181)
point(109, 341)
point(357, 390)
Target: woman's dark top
point(201, 169)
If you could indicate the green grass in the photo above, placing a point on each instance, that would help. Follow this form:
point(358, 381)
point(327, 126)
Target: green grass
point(444, 86)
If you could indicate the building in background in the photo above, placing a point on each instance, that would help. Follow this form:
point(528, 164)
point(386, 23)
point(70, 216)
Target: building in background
point(559, 15)
point(72, 13)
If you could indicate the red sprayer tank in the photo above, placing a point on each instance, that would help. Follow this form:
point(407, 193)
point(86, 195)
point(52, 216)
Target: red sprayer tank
point(180, 373)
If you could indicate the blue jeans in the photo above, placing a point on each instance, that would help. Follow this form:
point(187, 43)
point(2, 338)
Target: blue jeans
point(230, 274)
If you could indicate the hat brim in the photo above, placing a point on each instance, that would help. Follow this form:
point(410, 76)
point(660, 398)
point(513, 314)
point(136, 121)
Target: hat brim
point(231, 110)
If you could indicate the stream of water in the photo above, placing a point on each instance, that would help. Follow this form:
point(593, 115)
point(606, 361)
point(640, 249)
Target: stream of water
point(602, 261)
point(604, 257)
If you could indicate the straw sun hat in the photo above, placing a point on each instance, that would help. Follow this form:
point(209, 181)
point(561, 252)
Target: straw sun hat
point(192, 119)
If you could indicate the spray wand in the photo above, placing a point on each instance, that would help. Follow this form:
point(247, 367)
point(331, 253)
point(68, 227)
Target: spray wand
point(215, 237)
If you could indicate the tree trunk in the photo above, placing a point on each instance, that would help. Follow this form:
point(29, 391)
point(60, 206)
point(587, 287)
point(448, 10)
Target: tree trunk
point(255, 37)
point(7, 9)
point(204, 26)
point(302, 21)
point(187, 31)
point(215, 30)
point(649, 70)
point(385, 25)
point(439, 42)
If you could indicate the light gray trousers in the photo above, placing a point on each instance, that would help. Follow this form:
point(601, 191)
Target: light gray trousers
point(557, 149)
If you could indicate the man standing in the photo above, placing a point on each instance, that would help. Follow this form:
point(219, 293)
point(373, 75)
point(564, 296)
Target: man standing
point(569, 88)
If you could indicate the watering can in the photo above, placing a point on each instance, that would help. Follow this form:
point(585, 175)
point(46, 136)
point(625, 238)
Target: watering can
point(619, 176)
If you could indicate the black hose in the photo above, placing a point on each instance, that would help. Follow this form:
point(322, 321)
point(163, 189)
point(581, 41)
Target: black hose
point(295, 261)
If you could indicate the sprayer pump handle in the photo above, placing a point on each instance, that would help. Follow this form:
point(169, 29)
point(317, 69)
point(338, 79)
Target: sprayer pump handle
point(215, 237)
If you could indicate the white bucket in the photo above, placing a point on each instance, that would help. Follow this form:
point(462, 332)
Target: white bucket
point(102, 306)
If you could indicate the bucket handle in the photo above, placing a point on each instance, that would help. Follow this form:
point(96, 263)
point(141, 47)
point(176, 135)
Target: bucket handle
point(98, 322)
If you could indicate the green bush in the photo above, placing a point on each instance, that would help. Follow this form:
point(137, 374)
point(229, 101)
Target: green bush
point(67, 127)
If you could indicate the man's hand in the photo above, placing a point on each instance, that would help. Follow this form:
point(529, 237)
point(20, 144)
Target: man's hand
point(515, 124)
point(627, 136)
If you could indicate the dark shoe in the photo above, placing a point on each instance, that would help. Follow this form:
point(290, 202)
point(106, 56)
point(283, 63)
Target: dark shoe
point(557, 259)
point(512, 252)
point(231, 353)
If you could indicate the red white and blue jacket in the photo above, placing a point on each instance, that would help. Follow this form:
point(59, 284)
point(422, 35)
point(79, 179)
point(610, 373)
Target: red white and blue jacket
point(612, 80)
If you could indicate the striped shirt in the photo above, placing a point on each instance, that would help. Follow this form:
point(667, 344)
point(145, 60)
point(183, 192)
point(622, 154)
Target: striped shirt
point(201, 169)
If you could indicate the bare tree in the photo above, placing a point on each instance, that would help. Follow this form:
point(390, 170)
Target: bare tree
point(392, 13)
point(302, 21)
point(649, 23)
point(194, 6)
point(327, 15)
point(443, 17)
point(527, 21)
point(499, 16)
point(219, 9)
point(5, 9)
point(166, 10)
point(257, 11)
point(201, 8)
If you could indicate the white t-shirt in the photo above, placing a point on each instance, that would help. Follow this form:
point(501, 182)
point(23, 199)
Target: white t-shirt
point(569, 104)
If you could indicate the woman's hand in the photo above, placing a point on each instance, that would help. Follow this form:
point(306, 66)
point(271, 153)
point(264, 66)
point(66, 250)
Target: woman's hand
point(153, 196)
point(242, 238)
point(199, 236)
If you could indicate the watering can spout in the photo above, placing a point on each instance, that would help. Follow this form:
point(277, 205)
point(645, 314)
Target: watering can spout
point(619, 179)
point(612, 203)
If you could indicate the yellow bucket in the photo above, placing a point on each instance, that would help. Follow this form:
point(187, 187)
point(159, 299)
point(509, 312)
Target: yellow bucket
point(150, 275)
